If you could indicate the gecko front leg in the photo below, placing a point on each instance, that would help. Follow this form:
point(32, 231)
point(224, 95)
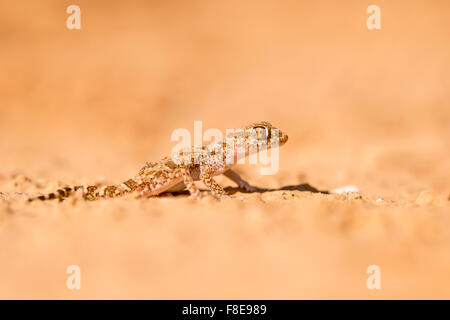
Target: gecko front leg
point(206, 176)
point(232, 175)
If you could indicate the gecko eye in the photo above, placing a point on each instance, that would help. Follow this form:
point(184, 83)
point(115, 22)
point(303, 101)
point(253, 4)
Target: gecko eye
point(261, 133)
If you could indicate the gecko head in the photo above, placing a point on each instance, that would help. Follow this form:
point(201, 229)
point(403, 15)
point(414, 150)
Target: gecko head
point(251, 139)
point(264, 132)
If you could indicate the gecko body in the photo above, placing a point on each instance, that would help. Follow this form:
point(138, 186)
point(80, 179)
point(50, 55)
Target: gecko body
point(184, 167)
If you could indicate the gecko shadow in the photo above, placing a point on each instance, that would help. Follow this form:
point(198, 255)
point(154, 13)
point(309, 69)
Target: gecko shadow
point(233, 190)
point(298, 187)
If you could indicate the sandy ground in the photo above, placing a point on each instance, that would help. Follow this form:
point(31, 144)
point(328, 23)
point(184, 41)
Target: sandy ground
point(364, 108)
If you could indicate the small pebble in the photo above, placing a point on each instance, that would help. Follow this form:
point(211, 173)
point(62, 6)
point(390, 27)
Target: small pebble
point(424, 198)
point(346, 189)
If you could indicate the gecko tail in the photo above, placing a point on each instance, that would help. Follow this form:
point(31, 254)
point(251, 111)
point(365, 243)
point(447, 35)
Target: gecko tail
point(90, 192)
point(59, 194)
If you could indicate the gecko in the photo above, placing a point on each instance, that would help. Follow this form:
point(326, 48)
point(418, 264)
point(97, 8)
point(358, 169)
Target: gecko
point(187, 165)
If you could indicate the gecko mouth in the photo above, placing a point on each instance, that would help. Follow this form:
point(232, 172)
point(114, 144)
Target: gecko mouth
point(283, 138)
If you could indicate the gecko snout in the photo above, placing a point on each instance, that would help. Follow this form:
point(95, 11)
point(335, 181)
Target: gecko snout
point(283, 138)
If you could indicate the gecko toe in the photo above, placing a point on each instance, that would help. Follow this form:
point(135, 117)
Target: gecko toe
point(248, 188)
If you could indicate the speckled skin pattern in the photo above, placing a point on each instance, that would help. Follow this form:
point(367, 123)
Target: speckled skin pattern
point(179, 172)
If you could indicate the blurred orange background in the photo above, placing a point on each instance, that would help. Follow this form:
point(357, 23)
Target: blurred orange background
point(363, 107)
